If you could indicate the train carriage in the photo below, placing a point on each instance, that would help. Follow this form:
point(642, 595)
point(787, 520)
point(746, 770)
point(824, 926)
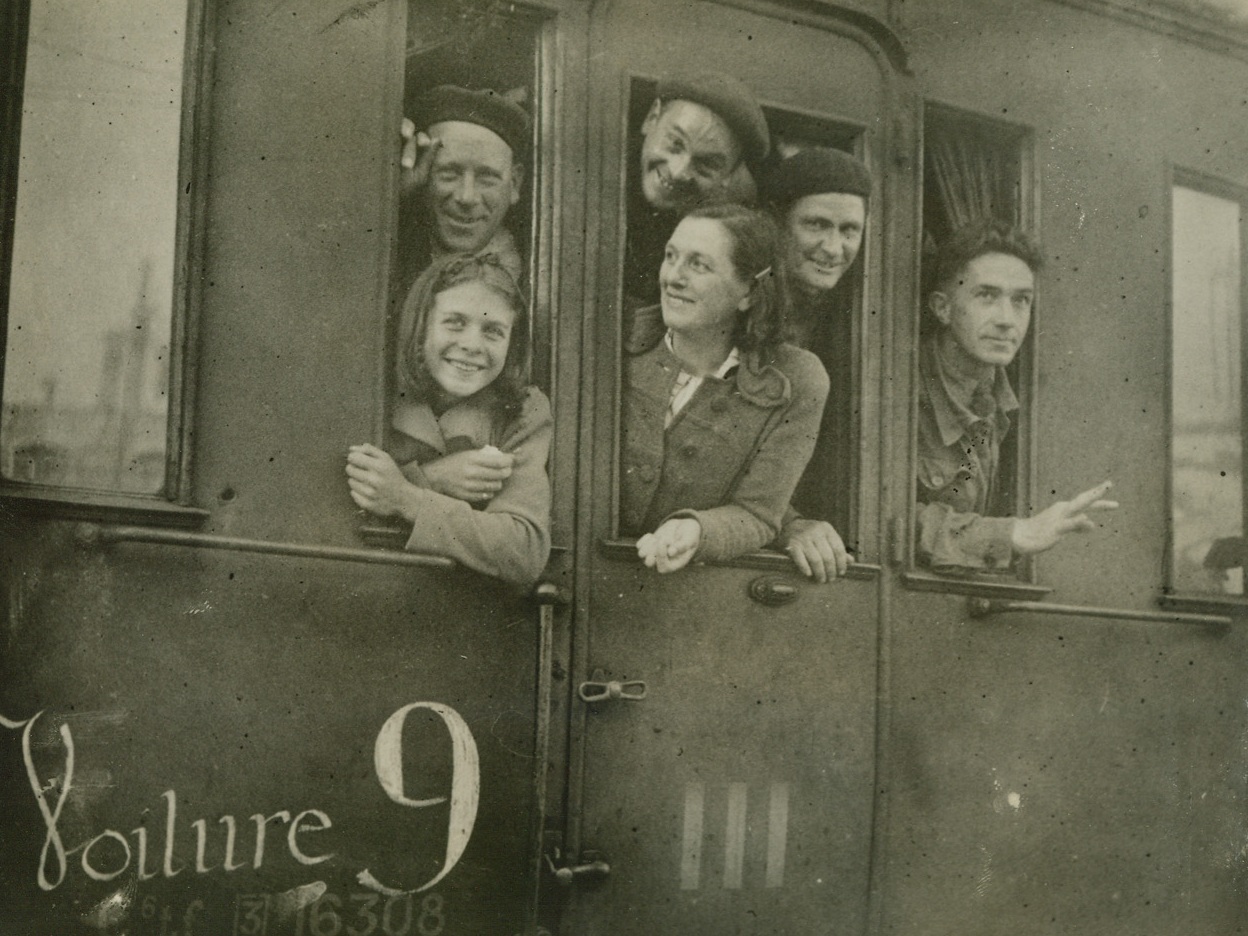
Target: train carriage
point(232, 703)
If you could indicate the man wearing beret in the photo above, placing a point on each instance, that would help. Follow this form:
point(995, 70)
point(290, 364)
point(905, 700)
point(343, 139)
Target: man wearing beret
point(463, 169)
point(819, 198)
point(463, 158)
point(700, 137)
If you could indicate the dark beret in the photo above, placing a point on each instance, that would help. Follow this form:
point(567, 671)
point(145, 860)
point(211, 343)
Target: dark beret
point(815, 171)
point(731, 100)
point(488, 109)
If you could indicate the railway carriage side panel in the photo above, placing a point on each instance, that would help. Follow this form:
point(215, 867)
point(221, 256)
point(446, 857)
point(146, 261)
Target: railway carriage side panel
point(1060, 773)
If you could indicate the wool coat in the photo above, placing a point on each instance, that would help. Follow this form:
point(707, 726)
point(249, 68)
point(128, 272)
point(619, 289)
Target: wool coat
point(509, 537)
point(731, 457)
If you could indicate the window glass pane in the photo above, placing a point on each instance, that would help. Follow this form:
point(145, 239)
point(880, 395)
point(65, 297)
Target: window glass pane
point(1207, 469)
point(91, 283)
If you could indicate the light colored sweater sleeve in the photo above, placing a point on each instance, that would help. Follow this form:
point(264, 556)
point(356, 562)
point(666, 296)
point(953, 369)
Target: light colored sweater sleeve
point(510, 537)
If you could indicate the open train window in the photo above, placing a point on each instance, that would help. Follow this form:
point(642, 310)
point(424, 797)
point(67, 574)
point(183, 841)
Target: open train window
point(491, 47)
point(828, 489)
point(1208, 316)
point(974, 169)
point(96, 112)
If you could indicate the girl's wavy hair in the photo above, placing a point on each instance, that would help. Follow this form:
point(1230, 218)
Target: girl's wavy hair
point(414, 382)
point(755, 258)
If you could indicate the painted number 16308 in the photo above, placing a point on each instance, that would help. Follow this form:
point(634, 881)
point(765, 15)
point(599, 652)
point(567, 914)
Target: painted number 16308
point(359, 914)
point(362, 914)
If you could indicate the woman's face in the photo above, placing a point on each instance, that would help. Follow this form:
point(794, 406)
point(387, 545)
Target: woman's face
point(700, 288)
point(467, 337)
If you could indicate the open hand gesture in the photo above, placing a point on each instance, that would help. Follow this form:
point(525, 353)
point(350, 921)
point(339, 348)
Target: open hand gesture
point(1046, 529)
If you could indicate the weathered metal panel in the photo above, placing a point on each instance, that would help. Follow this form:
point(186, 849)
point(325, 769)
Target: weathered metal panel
point(379, 719)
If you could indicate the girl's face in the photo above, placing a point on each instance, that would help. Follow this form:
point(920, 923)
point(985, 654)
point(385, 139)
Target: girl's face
point(467, 337)
point(700, 287)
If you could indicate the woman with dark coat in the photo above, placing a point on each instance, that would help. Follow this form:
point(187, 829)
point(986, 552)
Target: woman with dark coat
point(719, 415)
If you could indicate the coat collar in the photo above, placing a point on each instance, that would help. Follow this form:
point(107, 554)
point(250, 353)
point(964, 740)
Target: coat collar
point(465, 425)
point(761, 384)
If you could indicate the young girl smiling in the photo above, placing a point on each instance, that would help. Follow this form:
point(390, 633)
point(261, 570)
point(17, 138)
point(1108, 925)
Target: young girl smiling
point(467, 460)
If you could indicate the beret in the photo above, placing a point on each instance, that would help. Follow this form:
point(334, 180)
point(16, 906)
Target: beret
point(732, 101)
point(488, 109)
point(815, 171)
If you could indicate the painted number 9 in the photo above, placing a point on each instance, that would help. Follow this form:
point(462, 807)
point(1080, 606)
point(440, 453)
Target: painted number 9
point(465, 777)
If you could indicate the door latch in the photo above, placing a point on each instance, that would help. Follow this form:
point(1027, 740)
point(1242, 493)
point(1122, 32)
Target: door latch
point(591, 869)
point(600, 689)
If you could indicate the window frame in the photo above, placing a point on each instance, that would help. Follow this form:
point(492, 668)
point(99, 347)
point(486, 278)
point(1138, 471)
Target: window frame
point(1180, 176)
point(1023, 582)
point(831, 126)
point(172, 506)
point(541, 197)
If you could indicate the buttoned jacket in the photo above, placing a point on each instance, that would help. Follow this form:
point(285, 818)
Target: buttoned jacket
point(959, 454)
point(731, 457)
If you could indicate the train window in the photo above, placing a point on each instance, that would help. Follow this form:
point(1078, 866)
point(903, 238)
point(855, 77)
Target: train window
point(92, 156)
point(491, 48)
point(1209, 309)
point(479, 63)
point(827, 489)
point(970, 465)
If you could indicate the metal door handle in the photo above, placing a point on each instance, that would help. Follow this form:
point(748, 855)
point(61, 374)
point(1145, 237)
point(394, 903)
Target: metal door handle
point(772, 590)
point(592, 869)
point(982, 607)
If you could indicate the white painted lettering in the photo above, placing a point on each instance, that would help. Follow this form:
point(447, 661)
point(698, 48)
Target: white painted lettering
point(140, 835)
point(261, 823)
point(465, 784)
point(52, 840)
point(92, 872)
point(229, 864)
point(171, 815)
point(297, 826)
point(201, 840)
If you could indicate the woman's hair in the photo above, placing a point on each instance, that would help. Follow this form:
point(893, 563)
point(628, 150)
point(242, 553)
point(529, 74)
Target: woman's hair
point(414, 382)
point(755, 258)
point(970, 242)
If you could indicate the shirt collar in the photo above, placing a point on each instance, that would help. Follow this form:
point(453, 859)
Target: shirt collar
point(951, 397)
point(731, 362)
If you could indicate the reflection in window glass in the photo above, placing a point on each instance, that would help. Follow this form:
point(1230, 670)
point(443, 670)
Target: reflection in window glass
point(91, 283)
point(1207, 447)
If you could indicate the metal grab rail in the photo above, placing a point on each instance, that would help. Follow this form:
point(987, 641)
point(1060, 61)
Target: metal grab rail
point(90, 534)
point(982, 607)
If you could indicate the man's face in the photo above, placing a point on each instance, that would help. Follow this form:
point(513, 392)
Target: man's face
point(688, 155)
point(822, 236)
point(986, 311)
point(472, 183)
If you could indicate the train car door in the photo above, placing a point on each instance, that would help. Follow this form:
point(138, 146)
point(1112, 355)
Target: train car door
point(1073, 759)
point(724, 720)
point(224, 707)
